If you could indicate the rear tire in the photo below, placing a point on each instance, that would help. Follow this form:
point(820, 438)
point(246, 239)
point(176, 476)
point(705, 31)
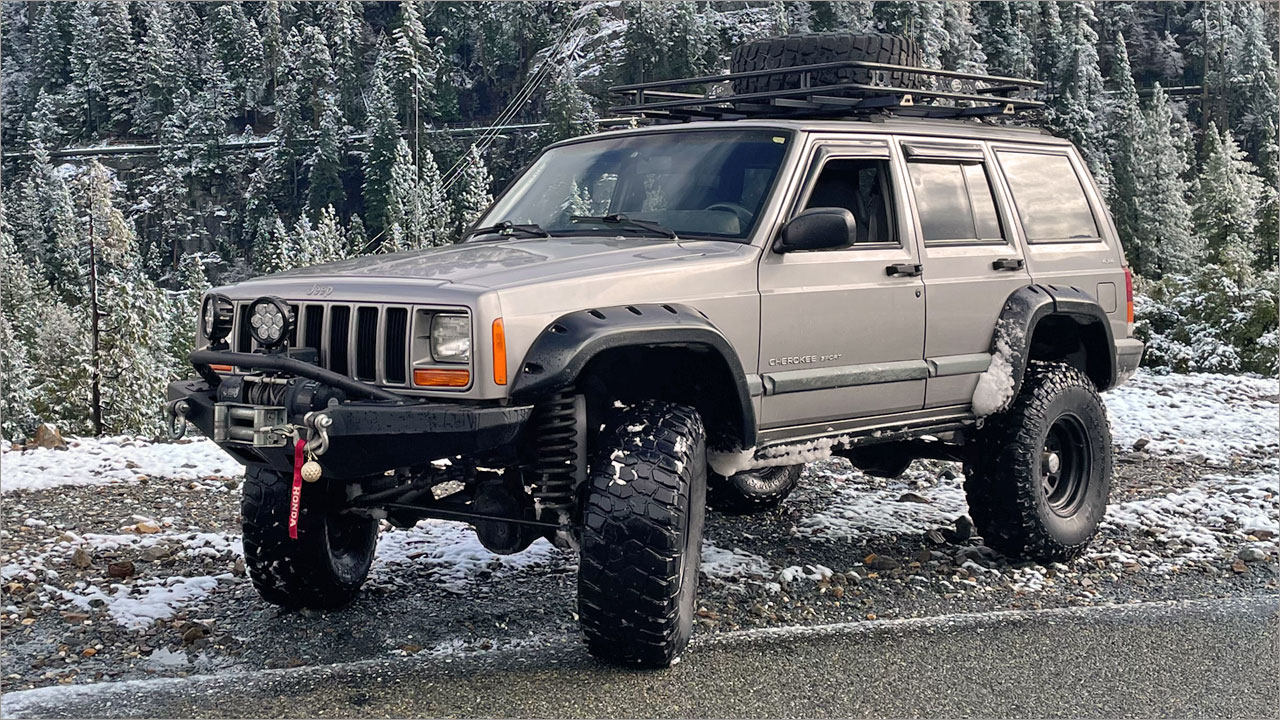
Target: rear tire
point(812, 48)
point(642, 535)
point(330, 559)
point(752, 491)
point(1040, 475)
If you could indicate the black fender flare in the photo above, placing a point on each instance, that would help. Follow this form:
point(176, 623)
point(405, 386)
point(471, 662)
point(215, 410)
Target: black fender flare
point(1028, 305)
point(561, 351)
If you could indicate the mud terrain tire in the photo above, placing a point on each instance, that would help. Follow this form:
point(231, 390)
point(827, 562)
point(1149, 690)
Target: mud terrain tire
point(752, 491)
point(1040, 475)
point(642, 535)
point(328, 562)
point(812, 48)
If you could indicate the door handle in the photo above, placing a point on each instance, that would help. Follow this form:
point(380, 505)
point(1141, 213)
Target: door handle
point(1007, 264)
point(903, 270)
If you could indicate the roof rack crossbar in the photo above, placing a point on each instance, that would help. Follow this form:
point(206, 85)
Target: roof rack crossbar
point(946, 93)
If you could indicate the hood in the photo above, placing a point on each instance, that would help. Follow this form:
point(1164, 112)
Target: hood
point(492, 265)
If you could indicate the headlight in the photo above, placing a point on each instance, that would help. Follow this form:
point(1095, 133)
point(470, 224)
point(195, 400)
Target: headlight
point(216, 317)
point(451, 338)
point(270, 321)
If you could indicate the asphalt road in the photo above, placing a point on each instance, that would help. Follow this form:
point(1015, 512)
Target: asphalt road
point(1214, 658)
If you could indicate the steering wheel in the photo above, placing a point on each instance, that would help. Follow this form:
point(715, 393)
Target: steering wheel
point(745, 216)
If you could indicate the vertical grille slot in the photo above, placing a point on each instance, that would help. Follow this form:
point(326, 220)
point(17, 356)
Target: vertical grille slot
point(244, 341)
point(339, 338)
point(394, 344)
point(293, 331)
point(366, 343)
point(313, 333)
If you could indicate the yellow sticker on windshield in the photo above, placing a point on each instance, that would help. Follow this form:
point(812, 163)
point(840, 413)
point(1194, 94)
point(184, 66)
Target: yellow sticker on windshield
point(779, 139)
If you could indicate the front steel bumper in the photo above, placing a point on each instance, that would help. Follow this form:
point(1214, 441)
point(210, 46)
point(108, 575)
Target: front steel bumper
point(365, 437)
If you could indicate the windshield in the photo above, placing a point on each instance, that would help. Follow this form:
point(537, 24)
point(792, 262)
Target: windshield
point(704, 184)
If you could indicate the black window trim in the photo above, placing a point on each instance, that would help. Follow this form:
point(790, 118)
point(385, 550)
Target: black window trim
point(941, 158)
point(1098, 238)
point(828, 152)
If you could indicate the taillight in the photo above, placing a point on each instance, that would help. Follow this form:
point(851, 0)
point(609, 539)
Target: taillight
point(1128, 294)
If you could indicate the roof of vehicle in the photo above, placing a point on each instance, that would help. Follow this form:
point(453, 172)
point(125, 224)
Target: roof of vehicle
point(967, 129)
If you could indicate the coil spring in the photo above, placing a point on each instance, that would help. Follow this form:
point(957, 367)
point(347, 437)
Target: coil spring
point(554, 443)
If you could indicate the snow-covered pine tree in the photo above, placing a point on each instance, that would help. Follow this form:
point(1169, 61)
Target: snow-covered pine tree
point(383, 129)
point(1228, 192)
point(472, 189)
point(51, 38)
point(328, 243)
point(568, 111)
point(1126, 150)
point(132, 340)
point(434, 213)
point(23, 288)
point(18, 395)
point(694, 41)
point(357, 238)
point(326, 165)
point(402, 200)
point(644, 43)
point(46, 229)
point(274, 250)
point(158, 71)
point(1168, 244)
point(238, 45)
point(84, 99)
point(344, 48)
point(192, 283)
point(961, 50)
point(922, 20)
point(117, 65)
point(1075, 111)
point(1253, 83)
point(843, 16)
point(272, 31)
point(417, 60)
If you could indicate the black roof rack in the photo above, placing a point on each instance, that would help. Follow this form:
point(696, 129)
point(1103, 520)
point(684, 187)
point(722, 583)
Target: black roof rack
point(918, 92)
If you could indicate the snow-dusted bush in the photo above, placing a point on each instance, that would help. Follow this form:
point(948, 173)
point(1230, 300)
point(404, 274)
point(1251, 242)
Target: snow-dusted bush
point(1210, 321)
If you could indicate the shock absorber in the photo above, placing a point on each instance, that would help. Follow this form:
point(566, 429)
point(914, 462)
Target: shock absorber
point(558, 454)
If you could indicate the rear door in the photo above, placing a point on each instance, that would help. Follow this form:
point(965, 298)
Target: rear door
point(1064, 224)
point(972, 261)
point(841, 336)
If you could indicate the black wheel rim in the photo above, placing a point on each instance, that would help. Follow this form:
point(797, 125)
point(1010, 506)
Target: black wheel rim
point(1065, 465)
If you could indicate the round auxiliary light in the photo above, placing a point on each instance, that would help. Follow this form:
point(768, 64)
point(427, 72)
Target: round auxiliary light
point(216, 317)
point(270, 321)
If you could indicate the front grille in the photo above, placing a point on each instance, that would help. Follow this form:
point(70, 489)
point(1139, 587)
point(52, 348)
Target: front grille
point(367, 342)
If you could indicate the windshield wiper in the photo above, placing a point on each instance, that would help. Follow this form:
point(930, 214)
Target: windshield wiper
point(506, 227)
point(624, 221)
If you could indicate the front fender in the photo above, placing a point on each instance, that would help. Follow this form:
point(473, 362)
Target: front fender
point(561, 351)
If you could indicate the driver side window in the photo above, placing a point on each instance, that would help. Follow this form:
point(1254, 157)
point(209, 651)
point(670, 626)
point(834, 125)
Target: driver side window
point(862, 187)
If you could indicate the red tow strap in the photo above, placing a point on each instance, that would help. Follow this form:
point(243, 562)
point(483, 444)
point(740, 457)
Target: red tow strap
point(295, 496)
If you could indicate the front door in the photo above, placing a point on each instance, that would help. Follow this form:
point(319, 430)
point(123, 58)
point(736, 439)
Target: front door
point(842, 331)
point(972, 262)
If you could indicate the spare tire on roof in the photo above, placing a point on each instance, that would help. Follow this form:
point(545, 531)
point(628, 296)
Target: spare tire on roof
point(813, 48)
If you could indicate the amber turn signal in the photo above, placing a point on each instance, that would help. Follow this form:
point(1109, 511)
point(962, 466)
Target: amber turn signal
point(499, 353)
point(441, 378)
point(221, 368)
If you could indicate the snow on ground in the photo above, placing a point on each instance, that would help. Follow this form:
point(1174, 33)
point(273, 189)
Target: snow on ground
point(454, 553)
point(723, 564)
point(90, 461)
point(137, 606)
point(861, 510)
point(1209, 520)
point(1213, 416)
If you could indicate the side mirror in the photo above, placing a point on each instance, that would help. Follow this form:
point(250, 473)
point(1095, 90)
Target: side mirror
point(821, 228)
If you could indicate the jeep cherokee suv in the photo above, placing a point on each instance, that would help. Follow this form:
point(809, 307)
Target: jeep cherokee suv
point(653, 320)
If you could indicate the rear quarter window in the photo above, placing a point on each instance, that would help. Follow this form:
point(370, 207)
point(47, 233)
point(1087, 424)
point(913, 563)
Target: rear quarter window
point(1049, 197)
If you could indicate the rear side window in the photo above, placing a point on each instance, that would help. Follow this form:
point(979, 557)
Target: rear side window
point(954, 202)
point(1049, 196)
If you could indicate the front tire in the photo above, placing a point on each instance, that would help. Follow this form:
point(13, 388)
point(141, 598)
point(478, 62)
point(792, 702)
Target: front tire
point(642, 535)
point(1040, 475)
point(752, 491)
point(328, 562)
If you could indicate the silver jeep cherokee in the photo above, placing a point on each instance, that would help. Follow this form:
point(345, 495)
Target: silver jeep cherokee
point(651, 320)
